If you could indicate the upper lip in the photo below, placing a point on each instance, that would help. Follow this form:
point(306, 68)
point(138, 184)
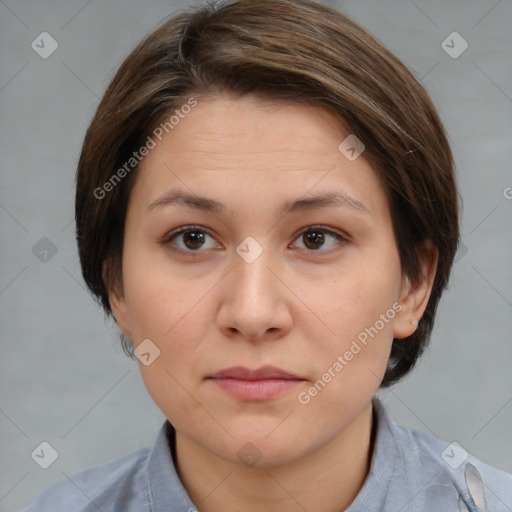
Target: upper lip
point(265, 372)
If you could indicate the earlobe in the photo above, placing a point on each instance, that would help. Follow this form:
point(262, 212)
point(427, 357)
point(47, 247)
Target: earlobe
point(117, 302)
point(414, 296)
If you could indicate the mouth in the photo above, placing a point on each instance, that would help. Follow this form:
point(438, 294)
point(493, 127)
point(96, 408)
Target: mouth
point(255, 385)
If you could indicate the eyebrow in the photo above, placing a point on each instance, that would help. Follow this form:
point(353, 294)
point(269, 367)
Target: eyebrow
point(337, 198)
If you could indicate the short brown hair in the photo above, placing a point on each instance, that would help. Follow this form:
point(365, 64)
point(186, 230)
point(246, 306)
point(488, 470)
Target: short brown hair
point(281, 50)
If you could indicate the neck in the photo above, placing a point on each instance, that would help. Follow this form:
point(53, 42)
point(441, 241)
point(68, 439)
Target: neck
point(327, 479)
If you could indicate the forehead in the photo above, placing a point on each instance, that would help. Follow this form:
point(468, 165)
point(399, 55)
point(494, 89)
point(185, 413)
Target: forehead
point(259, 125)
point(233, 146)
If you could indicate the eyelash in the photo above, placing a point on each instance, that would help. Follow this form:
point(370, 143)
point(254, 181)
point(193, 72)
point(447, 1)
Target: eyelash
point(194, 229)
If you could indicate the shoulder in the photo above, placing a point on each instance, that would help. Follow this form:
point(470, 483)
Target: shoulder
point(119, 484)
point(447, 468)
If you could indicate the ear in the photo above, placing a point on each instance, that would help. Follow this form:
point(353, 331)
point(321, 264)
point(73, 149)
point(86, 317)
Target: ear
point(114, 284)
point(414, 296)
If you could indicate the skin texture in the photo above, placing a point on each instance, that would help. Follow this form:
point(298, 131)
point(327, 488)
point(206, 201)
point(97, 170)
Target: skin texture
point(297, 306)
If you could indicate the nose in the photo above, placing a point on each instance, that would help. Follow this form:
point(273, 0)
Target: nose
point(255, 301)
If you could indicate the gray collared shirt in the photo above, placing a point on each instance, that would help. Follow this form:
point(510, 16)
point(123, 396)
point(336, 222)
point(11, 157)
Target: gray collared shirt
point(410, 471)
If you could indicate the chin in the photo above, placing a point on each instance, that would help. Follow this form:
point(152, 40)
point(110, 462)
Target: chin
point(267, 448)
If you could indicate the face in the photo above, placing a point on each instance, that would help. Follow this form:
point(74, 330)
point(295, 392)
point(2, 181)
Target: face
point(261, 264)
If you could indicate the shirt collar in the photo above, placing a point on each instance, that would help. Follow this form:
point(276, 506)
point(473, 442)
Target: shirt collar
point(166, 492)
point(384, 459)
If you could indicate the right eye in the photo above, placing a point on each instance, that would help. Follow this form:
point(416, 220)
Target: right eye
point(192, 239)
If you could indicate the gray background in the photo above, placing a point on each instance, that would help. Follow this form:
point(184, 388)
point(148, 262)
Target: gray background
point(64, 378)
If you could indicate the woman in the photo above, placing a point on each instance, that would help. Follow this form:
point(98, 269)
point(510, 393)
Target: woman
point(266, 204)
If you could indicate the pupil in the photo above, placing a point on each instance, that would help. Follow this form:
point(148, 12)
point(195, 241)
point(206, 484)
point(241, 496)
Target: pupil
point(196, 237)
point(315, 237)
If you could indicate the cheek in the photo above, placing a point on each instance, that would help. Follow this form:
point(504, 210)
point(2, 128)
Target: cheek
point(356, 300)
point(172, 394)
point(359, 310)
point(156, 299)
point(164, 307)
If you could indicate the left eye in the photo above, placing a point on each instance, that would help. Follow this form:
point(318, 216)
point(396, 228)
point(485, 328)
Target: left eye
point(316, 236)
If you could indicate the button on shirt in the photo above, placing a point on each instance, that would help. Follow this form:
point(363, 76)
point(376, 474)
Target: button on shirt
point(410, 471)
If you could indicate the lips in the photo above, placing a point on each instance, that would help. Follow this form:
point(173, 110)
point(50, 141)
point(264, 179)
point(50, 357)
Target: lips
point(266, 372)
point(264, 383)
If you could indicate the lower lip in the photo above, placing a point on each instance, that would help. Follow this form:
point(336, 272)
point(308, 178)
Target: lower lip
point(264, 389)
